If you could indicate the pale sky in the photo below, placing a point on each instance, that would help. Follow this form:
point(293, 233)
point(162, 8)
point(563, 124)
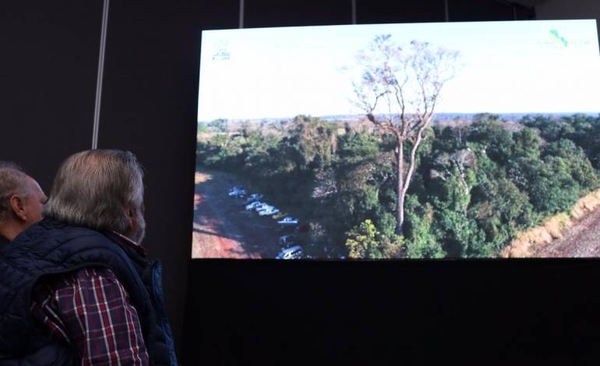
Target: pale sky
point(509, 67)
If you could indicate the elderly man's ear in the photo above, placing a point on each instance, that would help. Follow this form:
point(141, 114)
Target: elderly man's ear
point(18, 207)
point(133, 213)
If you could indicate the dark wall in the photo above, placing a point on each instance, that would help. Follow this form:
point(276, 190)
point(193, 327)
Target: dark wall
point(48, 66)
point(242, 312)
point(274, 13)
point(384, 11)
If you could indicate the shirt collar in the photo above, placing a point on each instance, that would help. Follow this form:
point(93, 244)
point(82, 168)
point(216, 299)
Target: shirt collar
point(123, 240)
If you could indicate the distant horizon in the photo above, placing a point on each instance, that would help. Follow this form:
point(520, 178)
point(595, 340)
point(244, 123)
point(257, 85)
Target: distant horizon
point(443, 114)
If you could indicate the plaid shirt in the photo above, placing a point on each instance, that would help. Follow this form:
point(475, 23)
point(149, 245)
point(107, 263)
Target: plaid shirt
point(91, 311)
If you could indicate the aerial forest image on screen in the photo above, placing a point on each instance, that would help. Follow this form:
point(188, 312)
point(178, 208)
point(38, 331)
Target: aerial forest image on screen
point(399, 141)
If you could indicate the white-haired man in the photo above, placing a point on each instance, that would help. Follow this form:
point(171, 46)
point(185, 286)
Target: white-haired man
point(77, 288)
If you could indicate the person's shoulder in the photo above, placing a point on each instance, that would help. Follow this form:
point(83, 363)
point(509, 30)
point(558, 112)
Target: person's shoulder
point(50, 229)
point(74, 282)
point(97, 280)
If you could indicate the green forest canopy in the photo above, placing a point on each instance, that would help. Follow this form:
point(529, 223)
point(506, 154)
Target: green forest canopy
point(479, 180)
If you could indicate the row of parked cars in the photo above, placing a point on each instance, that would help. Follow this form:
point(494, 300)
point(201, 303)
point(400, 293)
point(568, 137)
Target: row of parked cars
point(255, 202)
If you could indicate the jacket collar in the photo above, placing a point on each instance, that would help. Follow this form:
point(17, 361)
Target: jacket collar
point(126, 242)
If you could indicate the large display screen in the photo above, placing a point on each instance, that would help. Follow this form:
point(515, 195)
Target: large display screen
point(393, 141)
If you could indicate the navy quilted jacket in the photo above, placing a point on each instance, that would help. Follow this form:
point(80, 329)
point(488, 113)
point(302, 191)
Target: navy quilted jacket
point(51, 247)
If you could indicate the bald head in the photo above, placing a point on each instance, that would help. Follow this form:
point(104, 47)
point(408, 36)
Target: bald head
point(21, 200)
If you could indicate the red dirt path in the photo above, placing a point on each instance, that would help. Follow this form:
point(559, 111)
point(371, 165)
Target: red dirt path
point(222, 226)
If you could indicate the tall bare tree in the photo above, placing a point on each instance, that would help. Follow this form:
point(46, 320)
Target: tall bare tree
point(398, 89)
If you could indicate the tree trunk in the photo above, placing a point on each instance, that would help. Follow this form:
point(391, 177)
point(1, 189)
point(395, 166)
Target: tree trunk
point(400, 188)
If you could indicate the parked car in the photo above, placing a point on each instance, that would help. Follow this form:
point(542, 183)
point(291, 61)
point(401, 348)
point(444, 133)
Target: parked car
point(262, 206)
point(253, 205)
point(288, 221)
point(237, 192)
point(294, 252)
point(268, 211)
point(254, 197)
point(280, 215)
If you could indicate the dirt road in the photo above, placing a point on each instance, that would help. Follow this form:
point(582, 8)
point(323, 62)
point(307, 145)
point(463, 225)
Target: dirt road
point(581, 241)
point(222, 226)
